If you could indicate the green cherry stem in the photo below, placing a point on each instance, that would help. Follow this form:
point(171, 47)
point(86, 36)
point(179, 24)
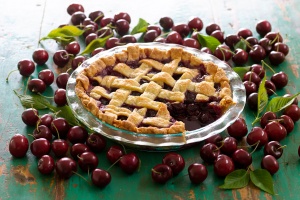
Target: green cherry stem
point(264, 63)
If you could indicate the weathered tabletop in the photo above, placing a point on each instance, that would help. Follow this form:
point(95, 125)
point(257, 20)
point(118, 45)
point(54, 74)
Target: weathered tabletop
point(22, 23)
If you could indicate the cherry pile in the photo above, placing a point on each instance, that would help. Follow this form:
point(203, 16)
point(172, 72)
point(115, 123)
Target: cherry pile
point(61, 147)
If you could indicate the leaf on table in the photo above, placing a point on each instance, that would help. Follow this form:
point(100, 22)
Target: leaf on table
point(241, 71)
point(262, 179)
point(99, 42)
point(208, 41)
point(240, 45)
point(141, 27)
point(33, 101)
point(262, 100)
point(279, 103)
point(65, 31)
point(236, 179)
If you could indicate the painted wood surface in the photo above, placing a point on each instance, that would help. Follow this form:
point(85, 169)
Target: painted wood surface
point(22, 23)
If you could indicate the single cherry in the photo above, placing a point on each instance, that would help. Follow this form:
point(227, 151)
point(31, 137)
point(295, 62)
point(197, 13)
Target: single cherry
point(60, 97)
point(30, 116)
point(77, 149)
point(96, 142)
point(229, 146)
point(270, 163)
point(241, 158)
point(293, 111)
point(263, 27)
point(209, 152)
point(65, 167)
point(46, 120)
point(62, 80)
point(47, 76)
point(26, 67)
point(280, 79)
point(40, 147)
point(77, 134)
point(36, 85)
point(60, 147)
point(175, 161)
point(74, 7)
point(42, 131)
point(266, 118)
point(211, 28)
point(238, 129)
point(257, 136)
point(129, 163)
point(40, 56)
point(197, 173)
point(46, 164)
point(223, 165)
point(114, 153)
point(166, 23)
point(73, 48)
point(61, 58)
point(60, 127)
point(195, 23)
point(161, 173)
point(273, 148)
point(88, 161)
point(215, 139)
point(287, 122)
point(18, 146)
point(100, 178)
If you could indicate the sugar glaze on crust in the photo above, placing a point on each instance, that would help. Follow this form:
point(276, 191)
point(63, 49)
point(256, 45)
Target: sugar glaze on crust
point(122, 89)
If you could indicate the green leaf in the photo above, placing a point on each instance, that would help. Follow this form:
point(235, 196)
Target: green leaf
point(65, 31)
point(99, 42)
point(33, 101)
point(241, 71)
point(262, 100)
point(240, 45)
point(65, 112)
point(208, 41)
point(262, 179)
point(141, 27)
point(279, 103)
point(236, 179)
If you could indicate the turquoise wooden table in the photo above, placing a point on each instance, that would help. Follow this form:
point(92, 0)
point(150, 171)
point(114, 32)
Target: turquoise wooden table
point(24, 22)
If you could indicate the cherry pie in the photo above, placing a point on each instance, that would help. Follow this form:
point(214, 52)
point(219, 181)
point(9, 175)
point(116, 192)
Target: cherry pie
point(154, 90)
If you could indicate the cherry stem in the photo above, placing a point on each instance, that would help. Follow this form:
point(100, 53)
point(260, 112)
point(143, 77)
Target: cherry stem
point(114, 164)
point(10, 74)
point(223, 49)
point(154, 171)
point(264, 63)
point(102, 15)
point(275, 39)
point(31, 136)
point(247, 43)
point(56, 130)
point(123, 148)
point(26, 87)
point(81, 177)
point(281, 147)
point(257, 143)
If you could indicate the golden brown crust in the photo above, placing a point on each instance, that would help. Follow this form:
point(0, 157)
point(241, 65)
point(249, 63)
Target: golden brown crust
point(148, 59)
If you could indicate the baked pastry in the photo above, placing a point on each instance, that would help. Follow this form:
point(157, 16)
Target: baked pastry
point(152, 90)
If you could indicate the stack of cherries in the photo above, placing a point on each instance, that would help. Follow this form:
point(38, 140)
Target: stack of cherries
point(58, 146)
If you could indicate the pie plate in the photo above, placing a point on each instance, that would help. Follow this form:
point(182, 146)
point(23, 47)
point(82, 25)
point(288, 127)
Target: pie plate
point(158, 142)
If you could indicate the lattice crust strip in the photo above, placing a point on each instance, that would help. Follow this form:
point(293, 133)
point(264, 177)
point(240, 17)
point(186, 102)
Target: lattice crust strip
point(150, 89)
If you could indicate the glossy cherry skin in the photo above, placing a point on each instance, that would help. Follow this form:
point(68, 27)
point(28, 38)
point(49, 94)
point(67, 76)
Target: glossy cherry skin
point(274, 37)
point(47, 76)
point(223, 52)
point(287, 122)
point(74, 7)
point(46, 164)
point(263, 27)
point(125, 39)
point(174, 37)
point(96, 16)
point(250, 87)
point(60, 97)
point(270, 87)
point(211, 28)
point(161, 173)
point(97, 50)
point(273, 148)
point(61, 58)
point(77, 134)
point(231, 40)
point(112, 42)
point(276, 57)
point(40, 56)
point(253, 77)
point(229, 146)
point(175, 161)
point(241, 158)
point(209, 152)
point(60, 127)
point(65, 167)
point(270, 163)
point(88, 161)
point(219, 35)
point(240, 57)
point(40, 147)
point(215, 139)
point(252, 101)
point(89, 38)
point(129, 163)
point(96, 142)
point(257, 136)
point(122, 27)
point(252, 41)
point(73, 48)
point(46, 120)
point(30, 116)
point(100, 178)
point(259, 70)
point(77, 149)
point(195, 23)
point(114, 153)
point(155, 28)
point(150, 36)
point(223, 165)
point(244, 33)
point(77, 18)
point(266, 118)
point(166, 23)
point(36, 85)
point(280, 79)
point(293, 111)
point(197, 173)
point(238, 129)
point(190, 42)
point(266, 44)
point(26, 67)
point(42, 131)
point(60, 147)
point(62, 80)
point(281, 47)
point(182, 29)
point(18, 146)
point(257, 53)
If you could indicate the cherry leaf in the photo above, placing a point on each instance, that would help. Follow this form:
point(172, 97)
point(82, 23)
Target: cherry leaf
point(240, 45)
point(64, 33)
point(262, 179)
point(241, 71)
point(99, 42)
point(141, 27)
point(262, 96)
point(208, 41)
point(236, 179)
point(279, 103)
point(33, 101)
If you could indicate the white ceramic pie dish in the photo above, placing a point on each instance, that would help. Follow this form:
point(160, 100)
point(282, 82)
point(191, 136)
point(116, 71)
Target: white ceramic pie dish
point(158, 142)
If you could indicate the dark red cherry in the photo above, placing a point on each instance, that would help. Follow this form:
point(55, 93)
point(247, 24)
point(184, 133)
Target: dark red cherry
point(238, 129)
point(129, 163)
point(62, 79)
point(161, 173)
point(250, 87)
point(18, 146)
point(257, 53)
point(241, 158)
point(266, 118)
point(96, 142)
point(273, 148)
point(77, 134)
point(219, 35)
point(112, 42)
point(231, 40)
point(65, 167)
point(252, 76)
point(190, 42)
point(60, 97)
point(263, 27)
point(197, 173)
point(276, 57)
point(40, 56)
point(46, 120)
point(26, 67)
point(77, 61)
point(150, 36)
point(270, 87)
point(42, 131)
point(114, 153)
point(251, 42)
point(274, 37)
point(275, 131)
point(240, 57)
point(166, 23)
point(182, 29)
point(97, 50)
point(280, 79)
point(60, 127)
point(223, 165)
point(77, 18)
point(77, 149)
point(209, 152)
point(122, 15)
point(74, 7)
point(125, 39)
point(30, 116)
point(293, 111)
point(270, 163)
point(61, 58)
point(96, 16)
point(175, 161)
point(106, 21)
point(252, 101)
point(223, 52)
point(88, 161)
point(73, 48)
point(174, 37)
point(36, 85)
point(206, 50)
point(195, 23)
point(281, 47)
point(266, 44)
point(258, 69)
point(244, 33)
point(59, 147)
point(215, 139)
point(287, 122)
point(46, 164)
point(105, 31)
point(47, 76)
point(155, 28)
point(229, 146)
point(122, 27)
point(100, 178)
point(40, 147)
point(257, 136)
point(211, 28)
point(89, 38)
